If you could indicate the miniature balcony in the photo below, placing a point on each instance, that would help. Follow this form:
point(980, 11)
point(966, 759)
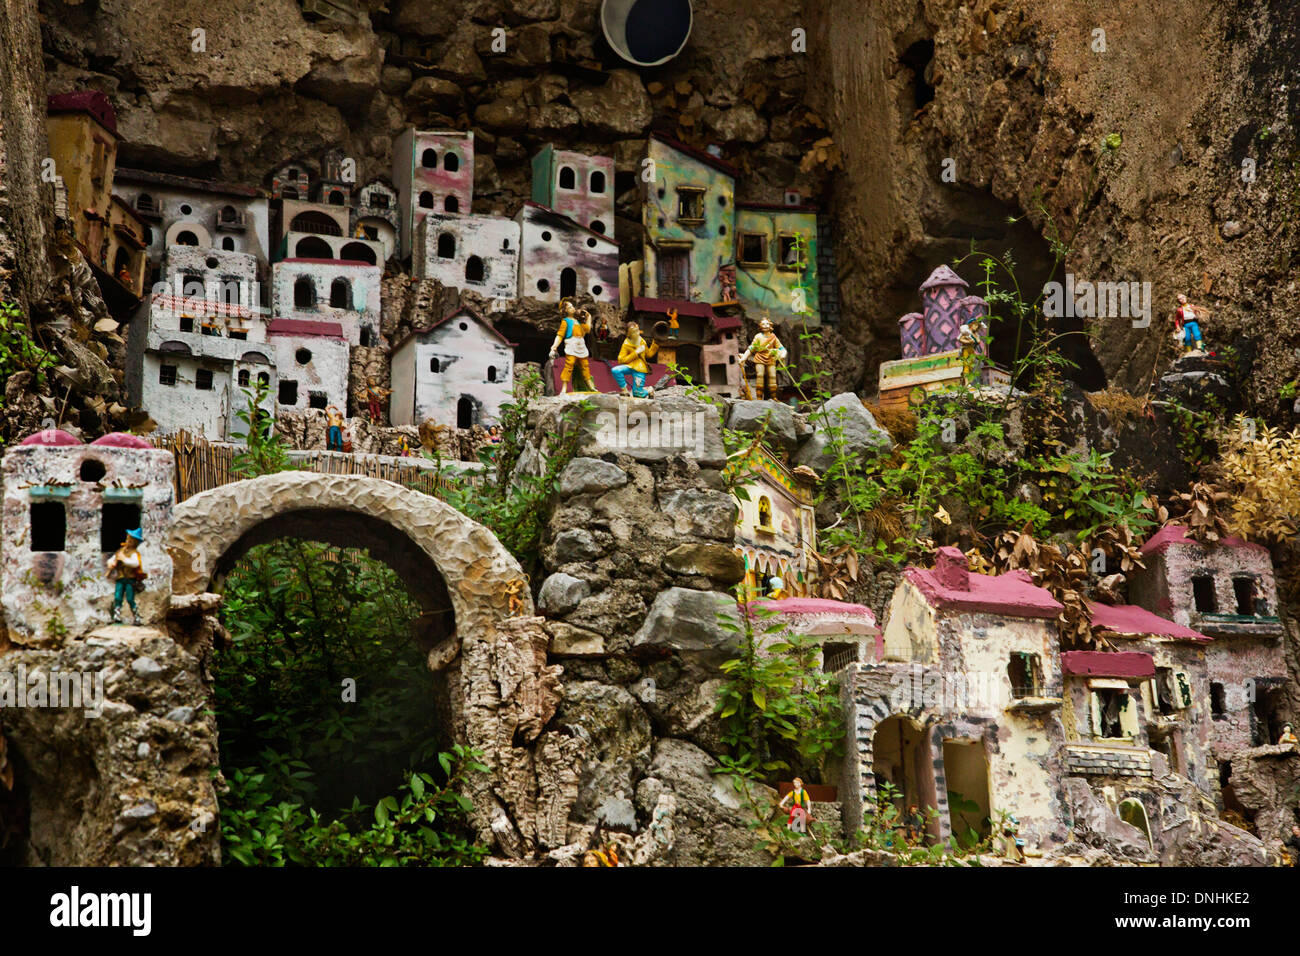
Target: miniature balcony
point(1029, 701)
point(1216, 624)
point(226, 222)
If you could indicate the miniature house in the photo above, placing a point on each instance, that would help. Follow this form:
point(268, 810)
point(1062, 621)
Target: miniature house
point(433, 171)
point(775, 528)
point(776, 261)
point(181, 211)
point(720, 358)
point(474, 253)
point(339, 291)
point(291, 181)
point(688, 213)
point(963, 701)
point(1174, 713)
point(576, 185)
point(458, 372)
point(67, 508)
point(844, 633)
point(706, 346)
point(559, 258)
point(191, 349)
point(334, 188)
point(378, 216)
point(311, 361)
point(305, 230)
point(945, 309)
point(1225, 590)
point(82, 131)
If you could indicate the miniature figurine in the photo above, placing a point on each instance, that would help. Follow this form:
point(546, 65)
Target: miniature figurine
point(776, 589)
point(374, 396)
point(403, 447)
point(727, 283)
point(915, 823)
point(514, 596)
point(766, 350)
point(606, 857)
point(334, 429)
point(602, 330)
point(494, 435)
point(632, 360)
point(1288, 736)
point(573, 326)
point(673, 325)
point(1012, 846)
point(1187, 321)
point(127, 570)
point(800, 807)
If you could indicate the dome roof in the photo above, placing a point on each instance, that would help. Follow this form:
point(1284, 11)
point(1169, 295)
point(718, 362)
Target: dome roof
point(943, 276)
point(122, 440)
point(51, 437)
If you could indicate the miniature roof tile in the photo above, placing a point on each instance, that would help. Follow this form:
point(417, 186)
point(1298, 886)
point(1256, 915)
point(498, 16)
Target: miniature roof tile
point(332, 330)
point(51, 438)
point(125, 174)
point(122, 440)
point(1177, 534)
point(725, 323)
point(942, 276)
point(858, 615)
point(1108, 664)
point(1129, 619)
point(950, 586)
point(700, 309)
point(85, 101)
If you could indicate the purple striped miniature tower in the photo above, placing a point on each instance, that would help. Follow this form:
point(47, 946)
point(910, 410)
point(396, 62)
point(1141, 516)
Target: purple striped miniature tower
point(941, 302)
point(911, 329)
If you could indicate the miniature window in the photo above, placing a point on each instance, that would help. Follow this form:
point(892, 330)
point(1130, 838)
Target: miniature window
point(186, 209)
point(187, 238)
point(288, 393)
point(1218, 701)
point(341, 294)
point(568, 180)
point(451, 204)
point(1243, 589)
point(304, 292)
point(429, 159)
point(240, 334)
point(473, 269)
point(426, 200)
point(244, 378)
point(1172, 692)
point(690, 204)
point(446, 246)
point(228, 214)
point(49, 526)
point(210, 328)
point(115, 520)
point(597, 181)
point(435, 365)
point(765, 514)
point(367, 337)
point(203, 379)
point(228, 244)
point(167, 375)
point(505, 245)
point(92, 469)
point(1109, 708)
point(597, 290)
point(568, 283)
point(187, 323)
point(753, 249)
point(231, 293)
point(336, 198)
point(378, 200)
point(302, 356)
point(836, 657)
point(451, 162)
point(144, 203)
point(371, 233)
point(597, 226)
point(789, 255)
point(263, 378)
point(317, 400)
point(492, 373)
point(717, 374)
point(1025, 674)
point(1203, 592)
point(317, 223)
point(543, 285)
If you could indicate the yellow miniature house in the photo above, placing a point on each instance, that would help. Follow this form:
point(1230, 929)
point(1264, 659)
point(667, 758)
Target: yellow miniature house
point(775, 527)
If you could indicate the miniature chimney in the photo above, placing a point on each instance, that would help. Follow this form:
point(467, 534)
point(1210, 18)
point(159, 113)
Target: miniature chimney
point(951, 569)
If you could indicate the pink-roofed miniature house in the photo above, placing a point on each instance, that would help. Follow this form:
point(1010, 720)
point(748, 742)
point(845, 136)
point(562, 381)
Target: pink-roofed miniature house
point(846, 632)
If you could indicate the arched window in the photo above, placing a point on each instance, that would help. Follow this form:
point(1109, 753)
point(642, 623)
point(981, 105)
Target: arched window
point(465, 412)
point(263, 378)
point(228, 244)
point(304, 293)
point(492, 373)
point(336, 198)
point(315, 222)
point(313, 248)
point(229, 214)
point(764, 512)
point(243, 378)
point(474, 269)
point(426, 200)
point(446, 246)
point(451, 204)
point(144, 203)
point(358, 252)
point(451, 162)
point(597, 181)
point(340, 294)
point(567, 178)
point(186, 238)
point(435, 365)
point(429, 159)
point(568, 283)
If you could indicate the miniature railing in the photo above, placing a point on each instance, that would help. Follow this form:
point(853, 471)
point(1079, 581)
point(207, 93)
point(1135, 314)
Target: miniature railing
point(202, 465)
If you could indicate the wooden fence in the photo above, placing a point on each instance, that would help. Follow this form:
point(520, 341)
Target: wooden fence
point(202, 465)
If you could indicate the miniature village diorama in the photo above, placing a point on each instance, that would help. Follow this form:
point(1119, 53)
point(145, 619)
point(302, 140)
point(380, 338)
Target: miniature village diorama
point(927, 615)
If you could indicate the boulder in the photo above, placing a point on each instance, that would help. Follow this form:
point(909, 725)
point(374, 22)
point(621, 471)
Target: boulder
point(717, 562)
point(857, 430)
point(705, 514)
point(576, 544)
point(561, 593)
point(774, 419)
point(590, 476)
point(618, 740)
point(689, 623)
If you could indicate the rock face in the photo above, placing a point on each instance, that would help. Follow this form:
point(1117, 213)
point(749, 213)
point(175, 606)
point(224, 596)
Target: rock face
point(844, 425)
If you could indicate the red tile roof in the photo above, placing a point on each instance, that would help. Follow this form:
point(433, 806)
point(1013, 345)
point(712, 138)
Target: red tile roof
point(1108, 664)
point(951, 586)
point(1138, 621)
point(85, 101)
point(304, 327)
point(700, 309)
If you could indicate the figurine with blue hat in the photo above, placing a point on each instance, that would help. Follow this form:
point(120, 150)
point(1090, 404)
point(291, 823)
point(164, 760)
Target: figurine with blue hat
point(126, 568)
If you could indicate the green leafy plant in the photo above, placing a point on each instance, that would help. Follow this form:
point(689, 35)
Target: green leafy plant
point(264, 450)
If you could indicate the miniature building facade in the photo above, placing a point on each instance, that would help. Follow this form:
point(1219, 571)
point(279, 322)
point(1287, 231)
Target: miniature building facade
point(1226, 591)
point(720, 358)
point(775, 528)
point(433, 171)
point(378, 216)
point(460, 371)
point(776, 261)
point(311, 362)
point(67, 508)
point(475, 253)
point(559, 258)
point(576, 185)
point(339, 291)
point(687, 213)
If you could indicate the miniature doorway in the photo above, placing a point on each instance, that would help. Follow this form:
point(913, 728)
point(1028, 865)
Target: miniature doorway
point(901, 759)
point(672, 273)
point(966, 770)
point(1133, 813)
point(568, 283)
point(466, 414)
